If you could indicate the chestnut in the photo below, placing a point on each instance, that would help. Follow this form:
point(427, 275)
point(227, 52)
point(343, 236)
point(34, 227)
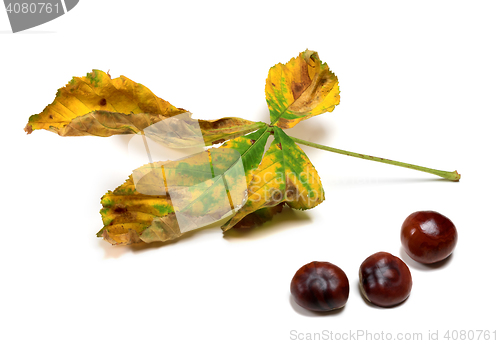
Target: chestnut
point(428, 237)
point(320, 286)
point(385, 280)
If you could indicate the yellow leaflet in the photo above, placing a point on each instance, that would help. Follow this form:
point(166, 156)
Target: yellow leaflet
point(302, 88)
point(98, 92)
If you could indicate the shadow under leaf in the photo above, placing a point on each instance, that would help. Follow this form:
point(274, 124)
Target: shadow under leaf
point(279, 223)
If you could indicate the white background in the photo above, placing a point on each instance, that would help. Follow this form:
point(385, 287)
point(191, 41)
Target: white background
point(420, 83)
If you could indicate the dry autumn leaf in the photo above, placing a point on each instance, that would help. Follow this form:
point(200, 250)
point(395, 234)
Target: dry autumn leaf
point(161, 201)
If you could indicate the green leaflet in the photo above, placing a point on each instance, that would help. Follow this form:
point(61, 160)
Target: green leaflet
point(251, 147)
point(285, 175)
point(162, 201)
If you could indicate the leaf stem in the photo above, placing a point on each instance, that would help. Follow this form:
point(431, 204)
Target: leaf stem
point(453, 176)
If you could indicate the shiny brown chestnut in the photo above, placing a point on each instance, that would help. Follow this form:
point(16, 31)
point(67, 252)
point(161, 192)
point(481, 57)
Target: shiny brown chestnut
point(428, 237)
point(385, 280)
point(320, 286)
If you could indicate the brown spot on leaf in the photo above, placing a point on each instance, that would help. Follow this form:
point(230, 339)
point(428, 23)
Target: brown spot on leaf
point(302, 82)
point(279, 146)
point(283, 123)
point(218, 141)
point(28, 129)
point(276, 198)
point(102, 102)
point(252, 142)
point(50, 116)
point(292, 193)
point(119, 209)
